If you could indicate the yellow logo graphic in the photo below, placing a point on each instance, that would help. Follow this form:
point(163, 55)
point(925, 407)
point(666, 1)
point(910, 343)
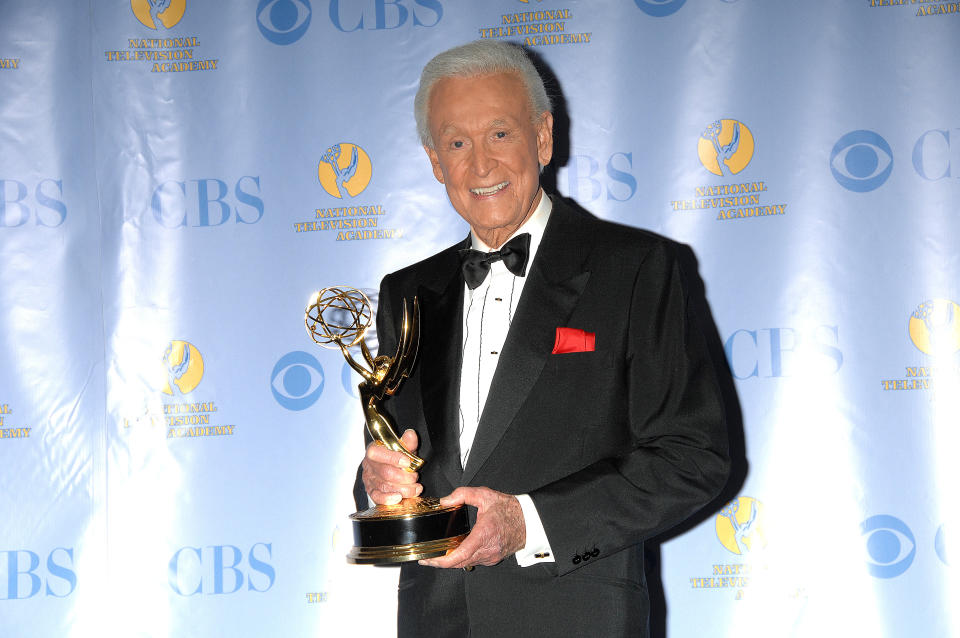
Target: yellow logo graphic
point(740, 525)
point(345, 169)
point(935, 327)
point(184, 367)
point(725, 143)
point(158, 14)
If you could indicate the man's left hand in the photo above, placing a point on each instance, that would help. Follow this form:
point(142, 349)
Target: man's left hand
point(498, 532)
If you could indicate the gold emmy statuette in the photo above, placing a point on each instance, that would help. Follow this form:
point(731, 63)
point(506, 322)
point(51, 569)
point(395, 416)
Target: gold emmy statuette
point(414, 528)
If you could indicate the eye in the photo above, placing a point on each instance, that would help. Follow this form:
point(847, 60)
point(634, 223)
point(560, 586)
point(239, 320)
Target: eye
point(889, 544)
point(500, 135)
point(861, 161)
point(283, 21)
point(297, 380)
point(457, 144)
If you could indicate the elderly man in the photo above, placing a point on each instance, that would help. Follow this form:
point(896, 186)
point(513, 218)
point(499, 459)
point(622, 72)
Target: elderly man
point(563, 388)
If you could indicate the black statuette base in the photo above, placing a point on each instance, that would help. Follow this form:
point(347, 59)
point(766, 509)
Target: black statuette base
point(414, 529)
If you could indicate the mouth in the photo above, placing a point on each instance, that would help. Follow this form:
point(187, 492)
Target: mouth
point(489, 190)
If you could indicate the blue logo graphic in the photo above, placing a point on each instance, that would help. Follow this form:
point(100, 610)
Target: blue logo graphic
point(861, 161)
point(221, 569)
point(940, 544)
point(887, 540)
point(16, 206)
point(931, 155)
point(659, 8)
point(350, 15)
point(176, 204)
point(297, 380)
point(26, 576)
point(283, 21)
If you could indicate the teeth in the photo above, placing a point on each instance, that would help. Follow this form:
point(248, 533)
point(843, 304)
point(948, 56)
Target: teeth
point(490, 190)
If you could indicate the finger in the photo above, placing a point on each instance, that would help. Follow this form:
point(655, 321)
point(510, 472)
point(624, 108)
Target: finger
point(375, 483)
point(385, 498)
point(389, 494)
point(389, 474)
point(382, 454)
point(405, 491)
point(409, 491)
point(372, 482)
point(387, 470)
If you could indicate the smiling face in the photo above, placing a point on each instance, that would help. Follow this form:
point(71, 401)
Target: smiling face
point(487, 151)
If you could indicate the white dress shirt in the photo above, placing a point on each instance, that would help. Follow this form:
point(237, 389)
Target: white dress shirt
point(488, 311)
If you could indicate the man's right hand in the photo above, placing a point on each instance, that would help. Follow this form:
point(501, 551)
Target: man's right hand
point(385, 475)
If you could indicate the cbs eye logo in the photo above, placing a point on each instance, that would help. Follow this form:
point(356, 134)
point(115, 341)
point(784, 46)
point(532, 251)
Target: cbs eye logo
point(659, 8)
point(861, 161)
point(297, 380)
point(283, 21)
point(890, 545)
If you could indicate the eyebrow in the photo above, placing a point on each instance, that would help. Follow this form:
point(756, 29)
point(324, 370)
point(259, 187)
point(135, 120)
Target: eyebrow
point(453, 129)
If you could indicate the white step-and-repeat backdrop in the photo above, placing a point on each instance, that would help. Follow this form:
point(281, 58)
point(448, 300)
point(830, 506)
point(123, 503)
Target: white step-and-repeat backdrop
point(176, 456)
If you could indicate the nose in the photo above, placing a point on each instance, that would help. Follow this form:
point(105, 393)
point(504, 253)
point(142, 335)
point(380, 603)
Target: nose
point(483, 161)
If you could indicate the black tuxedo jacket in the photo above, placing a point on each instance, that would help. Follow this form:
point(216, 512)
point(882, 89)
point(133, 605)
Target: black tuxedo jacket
point(613, 446)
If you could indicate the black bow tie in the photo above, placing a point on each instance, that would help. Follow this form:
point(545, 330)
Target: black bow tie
point(476, 264)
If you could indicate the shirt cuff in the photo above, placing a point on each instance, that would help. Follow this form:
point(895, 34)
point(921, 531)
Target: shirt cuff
point(537, 548)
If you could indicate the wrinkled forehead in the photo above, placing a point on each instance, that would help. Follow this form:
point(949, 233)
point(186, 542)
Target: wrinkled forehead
point(498, 96)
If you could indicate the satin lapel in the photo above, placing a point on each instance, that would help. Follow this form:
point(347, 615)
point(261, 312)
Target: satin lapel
point(440, 350)
point(556, 280)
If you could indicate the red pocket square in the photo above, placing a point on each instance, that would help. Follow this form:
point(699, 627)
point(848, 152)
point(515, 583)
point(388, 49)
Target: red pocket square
point(573, 340)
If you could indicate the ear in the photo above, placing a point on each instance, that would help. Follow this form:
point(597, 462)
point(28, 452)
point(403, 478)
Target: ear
point(435, 163)
point(545, 138)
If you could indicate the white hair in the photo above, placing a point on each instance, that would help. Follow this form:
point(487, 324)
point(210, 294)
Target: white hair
point(481, 57)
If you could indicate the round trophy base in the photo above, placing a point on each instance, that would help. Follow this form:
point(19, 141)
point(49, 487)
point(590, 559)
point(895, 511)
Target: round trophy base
point(413, 529)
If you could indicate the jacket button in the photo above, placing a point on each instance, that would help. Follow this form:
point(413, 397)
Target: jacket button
point(576, 559)
point(595, 552)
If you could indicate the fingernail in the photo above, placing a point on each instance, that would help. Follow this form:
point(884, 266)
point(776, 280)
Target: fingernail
point(419, 490)
point(393, 499)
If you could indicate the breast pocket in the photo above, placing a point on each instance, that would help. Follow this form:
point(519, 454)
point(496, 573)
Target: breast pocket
point(580, 382)
point(592, 402)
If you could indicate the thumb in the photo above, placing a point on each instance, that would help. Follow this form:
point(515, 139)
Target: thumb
point(410, 441)
point(459, 496)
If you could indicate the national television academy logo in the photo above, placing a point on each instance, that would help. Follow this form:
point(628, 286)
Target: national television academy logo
point(159, 15)
point(183, 366)
point(725, 147)
point(345, 170)
point(740, 525)
point(935, 327)
point(283, 21)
